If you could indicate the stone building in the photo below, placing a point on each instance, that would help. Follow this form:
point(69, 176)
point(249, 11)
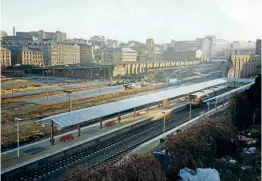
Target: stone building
point(119, 55)
point(26, 56)
point(5, 57)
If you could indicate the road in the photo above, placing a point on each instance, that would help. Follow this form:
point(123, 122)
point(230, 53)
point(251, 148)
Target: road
point(58, 88)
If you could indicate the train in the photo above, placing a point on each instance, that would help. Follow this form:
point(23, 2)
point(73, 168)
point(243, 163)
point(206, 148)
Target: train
point(197, 98)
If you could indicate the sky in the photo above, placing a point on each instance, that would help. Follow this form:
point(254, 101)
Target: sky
point(126, 20)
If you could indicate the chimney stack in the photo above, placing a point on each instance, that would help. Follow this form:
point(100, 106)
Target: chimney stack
point(13, 31)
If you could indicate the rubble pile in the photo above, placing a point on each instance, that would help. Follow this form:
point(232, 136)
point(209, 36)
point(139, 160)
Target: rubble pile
point(245, 162)
point(199, 144)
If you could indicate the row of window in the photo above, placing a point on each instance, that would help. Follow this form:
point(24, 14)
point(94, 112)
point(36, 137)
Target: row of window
point(30, 53)
point(37, 57)
point(7, 56)
point(31, 62)
point(5, 62)
point(5, 53)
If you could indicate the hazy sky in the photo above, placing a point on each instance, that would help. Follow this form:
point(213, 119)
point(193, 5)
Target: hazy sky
point(137, 19)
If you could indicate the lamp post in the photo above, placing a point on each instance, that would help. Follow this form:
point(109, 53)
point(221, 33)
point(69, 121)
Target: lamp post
point(17, 129)
point(216, 105)
point(69, 99)
point(190, 110)
point(164, 125)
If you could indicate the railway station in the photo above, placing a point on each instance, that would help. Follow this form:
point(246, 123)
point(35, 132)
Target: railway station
point(107, 119)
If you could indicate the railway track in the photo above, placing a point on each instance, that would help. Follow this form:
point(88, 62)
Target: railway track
point(109, 151)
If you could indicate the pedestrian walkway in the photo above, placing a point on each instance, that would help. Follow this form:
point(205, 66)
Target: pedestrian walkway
point(43, 148)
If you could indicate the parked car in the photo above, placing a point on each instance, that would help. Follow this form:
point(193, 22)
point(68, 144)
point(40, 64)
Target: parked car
point(129, 86)
point(113, 83)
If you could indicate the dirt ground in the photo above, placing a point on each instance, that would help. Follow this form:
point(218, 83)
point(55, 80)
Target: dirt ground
point(32, 112)
point(16, 110)
point(22, 84)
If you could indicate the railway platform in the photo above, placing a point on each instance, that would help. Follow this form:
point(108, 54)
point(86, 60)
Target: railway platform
point(43, 148)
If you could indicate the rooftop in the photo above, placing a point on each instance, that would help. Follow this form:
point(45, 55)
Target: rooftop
point(120, 50)
point(91, 113)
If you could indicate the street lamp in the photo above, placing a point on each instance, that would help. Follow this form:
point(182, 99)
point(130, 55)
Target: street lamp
point(190, 110)
point(69, 99)
point(164, 126)
point(17, 129)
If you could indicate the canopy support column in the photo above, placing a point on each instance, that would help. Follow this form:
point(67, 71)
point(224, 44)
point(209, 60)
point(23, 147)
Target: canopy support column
point(101, 123)
point(119, 117)
point(79, 130)
point(147, 108)
point(134, 112)
point(52, 140)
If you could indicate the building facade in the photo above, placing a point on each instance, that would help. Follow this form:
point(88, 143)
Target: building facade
point(26, 35)
point(60, 54)
point(119, 55)
point(26, 56)
point(86, 53)
point(179, 55)
point(258, 47)
point(212, 47)
point(185, 45)
point(150, 44)
point(5, 57)
point(3, 34)
point(57, 36)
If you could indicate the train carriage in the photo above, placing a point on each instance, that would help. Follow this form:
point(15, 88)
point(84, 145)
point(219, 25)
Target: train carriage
point(197, 98)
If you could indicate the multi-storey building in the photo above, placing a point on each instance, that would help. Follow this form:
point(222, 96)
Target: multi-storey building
point(24, 34)
point(212, 48)
point(50, 36)
point(57, 36)
point(76, 40)
point(185, 45)
point(173, 54)
point(240, 51)
point(60, 54)
point(86, 53)
point(27, 56)
point(3, 34)
point(119, 55)
point(243, 45)
point(150, 45)
point(5, 57)
point(258, 47)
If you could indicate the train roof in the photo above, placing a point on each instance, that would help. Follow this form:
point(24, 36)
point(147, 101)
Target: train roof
point(207, 91)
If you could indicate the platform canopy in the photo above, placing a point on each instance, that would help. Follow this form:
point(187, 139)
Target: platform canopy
point(240, 80)
point(228, 94)
point(91, 113)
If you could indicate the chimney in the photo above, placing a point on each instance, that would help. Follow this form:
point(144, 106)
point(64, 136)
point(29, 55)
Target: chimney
point(13, 31)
